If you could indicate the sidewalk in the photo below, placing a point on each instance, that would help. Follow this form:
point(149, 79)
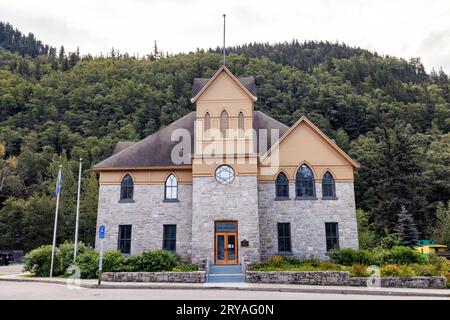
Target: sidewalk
point(90, 284)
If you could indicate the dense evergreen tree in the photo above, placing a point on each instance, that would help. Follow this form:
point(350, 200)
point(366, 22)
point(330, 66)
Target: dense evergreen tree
point(405, 229)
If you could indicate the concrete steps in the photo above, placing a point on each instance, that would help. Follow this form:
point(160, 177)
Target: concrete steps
point(225, 274)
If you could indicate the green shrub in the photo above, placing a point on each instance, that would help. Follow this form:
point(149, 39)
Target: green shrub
point(425, 270)
point(389, 241)
point(88, 264)
point(292, 260)
point(395, 270)
point(275, 262)
point(329, 266)
point(447, 276)
point(378, 256)
point(313, 262)
point(65, 255)
point(38, 261)
point(403, 255)
point(359, 270)
point(152, 261)
point(259, 266)
point(113, 261)
point(185, 267)
point(349, 257)
point(440, 263)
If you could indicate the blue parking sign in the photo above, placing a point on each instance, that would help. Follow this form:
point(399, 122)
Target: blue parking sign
point(101, 232)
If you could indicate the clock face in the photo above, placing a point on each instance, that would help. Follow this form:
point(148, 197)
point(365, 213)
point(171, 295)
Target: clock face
point(225, 174)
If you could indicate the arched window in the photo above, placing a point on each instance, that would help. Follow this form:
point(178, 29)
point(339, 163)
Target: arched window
point(241, 125)
point(304, 183)
point(171, 189)
point(282, 186)
point(224, 123)
point(207, 125)
point(126, 188)
point(328, 187)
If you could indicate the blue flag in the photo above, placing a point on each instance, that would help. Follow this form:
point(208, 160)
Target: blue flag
point(58, 183)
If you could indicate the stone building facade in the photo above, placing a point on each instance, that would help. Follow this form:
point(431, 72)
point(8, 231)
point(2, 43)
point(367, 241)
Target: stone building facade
point(228, 184)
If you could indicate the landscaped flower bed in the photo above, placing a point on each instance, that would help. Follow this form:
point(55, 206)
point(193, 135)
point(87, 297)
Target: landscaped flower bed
point(399, 267)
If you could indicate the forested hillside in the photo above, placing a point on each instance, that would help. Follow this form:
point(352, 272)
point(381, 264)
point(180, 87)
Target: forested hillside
point(56, 107)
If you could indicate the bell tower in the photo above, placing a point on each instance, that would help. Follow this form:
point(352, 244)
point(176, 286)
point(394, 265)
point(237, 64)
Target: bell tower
point(224, 171)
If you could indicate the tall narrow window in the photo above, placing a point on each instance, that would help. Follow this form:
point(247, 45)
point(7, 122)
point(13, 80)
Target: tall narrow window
point(282, 186)
point(171, 192)
point(170, 237)
point(126, 188)
point(284, 237)
point(241, 125)
point(304, 183)
point(332, 235)
point(124, 240)
point(207, 125)
point(224, 125)
point(328, 186)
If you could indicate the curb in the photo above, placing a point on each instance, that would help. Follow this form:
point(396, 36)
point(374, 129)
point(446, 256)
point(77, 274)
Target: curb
point(343, 290)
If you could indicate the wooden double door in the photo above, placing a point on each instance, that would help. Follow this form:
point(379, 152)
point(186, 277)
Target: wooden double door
point(226, 242)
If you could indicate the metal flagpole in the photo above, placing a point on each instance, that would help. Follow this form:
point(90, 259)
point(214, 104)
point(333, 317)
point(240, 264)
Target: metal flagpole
point(224, 55)
point(58, 192)
point(75, 246)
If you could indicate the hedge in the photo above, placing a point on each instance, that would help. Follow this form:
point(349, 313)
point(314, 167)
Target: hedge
point(38, 261)
point(378, 256)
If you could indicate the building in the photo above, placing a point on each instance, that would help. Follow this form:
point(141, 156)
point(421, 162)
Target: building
point(229, 184)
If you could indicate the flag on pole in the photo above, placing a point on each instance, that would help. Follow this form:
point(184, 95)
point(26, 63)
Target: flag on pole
point(58, 183)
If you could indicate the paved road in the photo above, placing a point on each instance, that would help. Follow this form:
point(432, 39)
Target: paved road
point(16, 290)
point(11, 269)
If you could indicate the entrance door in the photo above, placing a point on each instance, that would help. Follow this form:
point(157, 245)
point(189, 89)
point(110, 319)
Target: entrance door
point(226, 243)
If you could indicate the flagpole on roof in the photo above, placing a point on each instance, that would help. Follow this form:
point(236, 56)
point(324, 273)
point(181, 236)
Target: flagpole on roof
point(224, 53)
point(58, 192)
point(75, 245)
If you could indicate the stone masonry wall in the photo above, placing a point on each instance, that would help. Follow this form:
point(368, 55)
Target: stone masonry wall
point(323, 278)
point(212, 202)
point(307, 219)
point(147, 215)
point(183, 277)
point(342, 278)
point(401, 282)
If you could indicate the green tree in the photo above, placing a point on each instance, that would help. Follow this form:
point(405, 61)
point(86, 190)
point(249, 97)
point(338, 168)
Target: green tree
point(406, 230)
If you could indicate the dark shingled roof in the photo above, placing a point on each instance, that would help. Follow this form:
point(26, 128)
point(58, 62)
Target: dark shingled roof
point(156, 149)
point(122, 145)
point(152, 151)
point(263, 121)
point(247, 82)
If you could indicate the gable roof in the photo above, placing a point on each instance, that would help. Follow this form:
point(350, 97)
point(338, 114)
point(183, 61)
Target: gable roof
point(247, 84)
point(156, 149)
point(263, 121)
point(122, 145)
point(152, 151)
point(303, 119)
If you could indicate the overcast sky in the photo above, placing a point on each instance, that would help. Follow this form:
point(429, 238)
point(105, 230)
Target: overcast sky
point(404, 28)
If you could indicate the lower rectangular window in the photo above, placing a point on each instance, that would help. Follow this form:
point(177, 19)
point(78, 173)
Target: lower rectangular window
point(332, 235)
point(124, 241)
point(170, 237)
point(284, 237)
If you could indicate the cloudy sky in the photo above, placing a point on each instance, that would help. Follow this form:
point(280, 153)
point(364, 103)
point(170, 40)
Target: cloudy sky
point(404, 28)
